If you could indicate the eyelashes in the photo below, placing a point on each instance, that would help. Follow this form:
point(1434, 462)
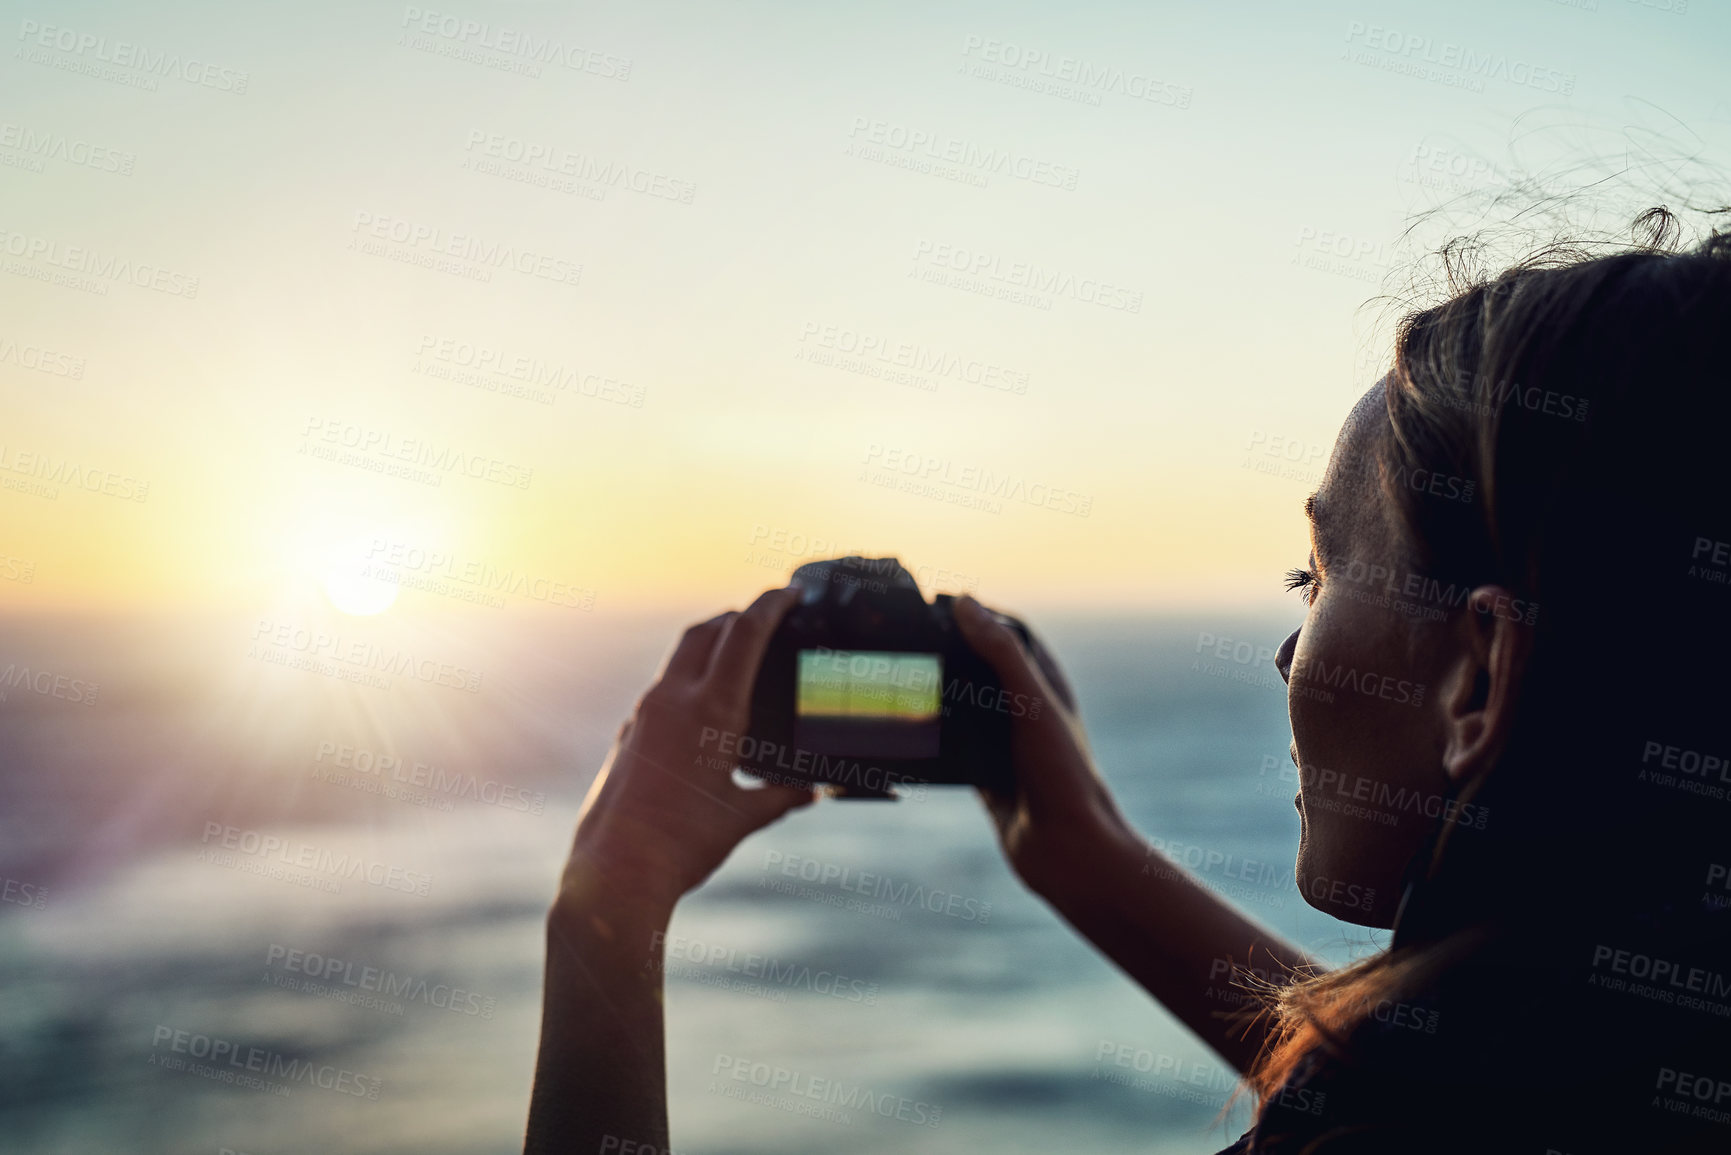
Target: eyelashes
point(1305, 582)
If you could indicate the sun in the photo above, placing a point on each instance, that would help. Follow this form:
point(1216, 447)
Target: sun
point(350, 575)
point(352, 590)
point(340, 552)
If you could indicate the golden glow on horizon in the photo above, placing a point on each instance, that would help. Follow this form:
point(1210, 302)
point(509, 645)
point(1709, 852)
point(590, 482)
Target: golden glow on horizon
point(726, 383)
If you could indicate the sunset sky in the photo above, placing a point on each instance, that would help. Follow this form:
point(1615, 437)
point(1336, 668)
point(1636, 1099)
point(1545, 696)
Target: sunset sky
point(1061, 307)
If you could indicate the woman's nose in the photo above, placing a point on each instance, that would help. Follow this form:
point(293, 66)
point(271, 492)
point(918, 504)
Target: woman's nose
point(1283, 656)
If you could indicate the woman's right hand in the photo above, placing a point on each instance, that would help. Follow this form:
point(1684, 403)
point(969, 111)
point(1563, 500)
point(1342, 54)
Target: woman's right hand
point(1052, 823)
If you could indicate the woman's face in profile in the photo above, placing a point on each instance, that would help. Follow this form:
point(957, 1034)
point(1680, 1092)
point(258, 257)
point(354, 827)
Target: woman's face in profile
point(1362, 689)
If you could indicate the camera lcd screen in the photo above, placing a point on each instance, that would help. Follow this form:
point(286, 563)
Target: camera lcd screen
point(868, 703)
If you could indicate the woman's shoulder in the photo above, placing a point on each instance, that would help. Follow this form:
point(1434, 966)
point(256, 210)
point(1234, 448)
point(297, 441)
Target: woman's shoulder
point(1454, 1070)
point(1521, 1046)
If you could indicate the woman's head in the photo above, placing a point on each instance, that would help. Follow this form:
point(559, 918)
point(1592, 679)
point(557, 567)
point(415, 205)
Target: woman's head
point(1389, 684)
point(1512, 595)
point(1511, 710)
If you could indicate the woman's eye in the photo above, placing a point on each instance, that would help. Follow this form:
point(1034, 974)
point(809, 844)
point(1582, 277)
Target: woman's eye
point(1305, 582)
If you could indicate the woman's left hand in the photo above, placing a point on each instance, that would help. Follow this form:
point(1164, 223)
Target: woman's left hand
point(665, 812)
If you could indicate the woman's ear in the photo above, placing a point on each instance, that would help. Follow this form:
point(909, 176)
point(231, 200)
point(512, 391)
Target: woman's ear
point(1483, 683)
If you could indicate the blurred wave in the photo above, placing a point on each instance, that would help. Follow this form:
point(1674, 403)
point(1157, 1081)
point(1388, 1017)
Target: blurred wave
point(383, 957)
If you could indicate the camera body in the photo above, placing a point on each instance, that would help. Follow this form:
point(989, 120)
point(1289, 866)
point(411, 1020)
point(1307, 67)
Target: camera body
point(865, 685)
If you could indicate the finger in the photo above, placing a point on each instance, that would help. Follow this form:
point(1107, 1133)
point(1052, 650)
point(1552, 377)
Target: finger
point(766, 803)
point(998, 644)
point(1000, 806)
point(692, 652)
point(1054, 673)
point(706, 781)
point(740, 650)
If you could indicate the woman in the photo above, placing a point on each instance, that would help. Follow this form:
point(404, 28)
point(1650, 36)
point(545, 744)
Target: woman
point(1511, 712)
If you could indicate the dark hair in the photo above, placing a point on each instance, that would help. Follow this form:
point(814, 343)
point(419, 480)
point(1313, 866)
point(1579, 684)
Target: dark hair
point(1587, 397)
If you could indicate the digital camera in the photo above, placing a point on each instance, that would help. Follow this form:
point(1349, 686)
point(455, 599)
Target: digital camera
point(866, 685)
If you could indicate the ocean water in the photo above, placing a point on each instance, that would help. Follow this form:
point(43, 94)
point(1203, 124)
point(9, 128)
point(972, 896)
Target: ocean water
point(882, 949)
